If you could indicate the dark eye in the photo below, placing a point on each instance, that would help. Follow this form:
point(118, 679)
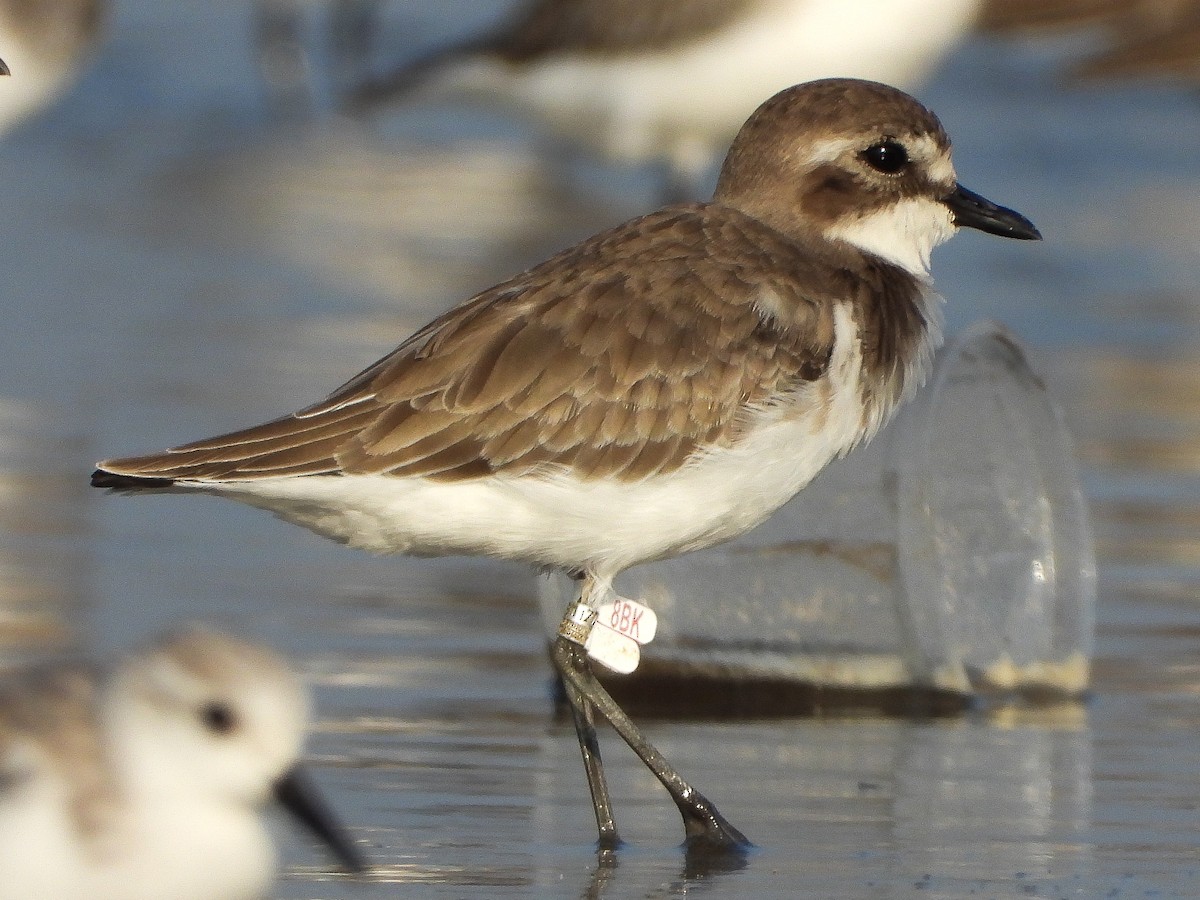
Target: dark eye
point(888, 157)
point(218, 717)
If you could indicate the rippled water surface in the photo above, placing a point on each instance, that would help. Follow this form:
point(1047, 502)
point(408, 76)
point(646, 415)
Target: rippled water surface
point(175, 264)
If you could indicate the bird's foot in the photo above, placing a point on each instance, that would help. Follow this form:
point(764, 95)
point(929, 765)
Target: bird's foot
point(706, 829)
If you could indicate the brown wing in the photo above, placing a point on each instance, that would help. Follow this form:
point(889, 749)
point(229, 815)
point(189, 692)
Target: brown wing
point(624, 356)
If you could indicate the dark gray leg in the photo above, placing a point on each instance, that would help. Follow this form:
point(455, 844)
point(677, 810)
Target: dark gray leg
point(589, 746)
point(702, 823)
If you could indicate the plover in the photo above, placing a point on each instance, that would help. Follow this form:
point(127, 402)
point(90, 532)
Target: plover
point(658, 388)
point(146, 783)
point(46, 43)
point(672, 80)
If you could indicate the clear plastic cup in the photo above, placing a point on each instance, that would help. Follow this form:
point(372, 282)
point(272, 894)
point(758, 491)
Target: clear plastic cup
point(952, 554)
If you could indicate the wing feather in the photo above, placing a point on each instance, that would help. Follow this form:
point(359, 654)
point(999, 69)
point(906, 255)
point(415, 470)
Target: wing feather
point(576, 363)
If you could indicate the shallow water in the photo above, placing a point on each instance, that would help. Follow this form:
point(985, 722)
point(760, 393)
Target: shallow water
point(176, 265)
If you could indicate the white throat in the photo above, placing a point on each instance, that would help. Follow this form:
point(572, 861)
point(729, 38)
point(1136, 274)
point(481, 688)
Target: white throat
point(904, 233)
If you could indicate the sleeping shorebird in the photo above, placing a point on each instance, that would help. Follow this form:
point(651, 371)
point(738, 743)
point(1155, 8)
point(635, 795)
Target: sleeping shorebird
point(146, 784)
point(658, 388)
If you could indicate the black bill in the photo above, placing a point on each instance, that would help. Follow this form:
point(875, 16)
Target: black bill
point(973, 211)
point(297, 794)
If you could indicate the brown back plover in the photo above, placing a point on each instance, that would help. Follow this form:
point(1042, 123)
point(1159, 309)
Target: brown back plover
point(658, 388)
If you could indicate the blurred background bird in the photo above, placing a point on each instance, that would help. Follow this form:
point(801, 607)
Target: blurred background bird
point(634, 81)
point(46, 44)
point(669, 81)
point(1139, 38)
point(130, 784)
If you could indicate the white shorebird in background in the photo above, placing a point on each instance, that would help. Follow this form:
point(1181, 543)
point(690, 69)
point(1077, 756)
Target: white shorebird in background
point(655, 80)
point(45, 43)
point(146, 783)
point(658, 388)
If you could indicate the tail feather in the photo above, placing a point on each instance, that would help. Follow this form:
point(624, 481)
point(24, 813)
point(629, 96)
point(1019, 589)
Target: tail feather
point(102, 478)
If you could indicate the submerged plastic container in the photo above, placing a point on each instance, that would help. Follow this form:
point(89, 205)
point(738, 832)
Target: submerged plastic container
point(952, 554)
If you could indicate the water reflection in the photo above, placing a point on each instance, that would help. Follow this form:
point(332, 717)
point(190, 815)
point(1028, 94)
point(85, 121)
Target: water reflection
point(1132, 411)
point(1027, 777)
point(44, 583)
point(449, 760)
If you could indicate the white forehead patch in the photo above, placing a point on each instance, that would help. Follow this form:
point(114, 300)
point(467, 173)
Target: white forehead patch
point(829, 150)
point(934, 159)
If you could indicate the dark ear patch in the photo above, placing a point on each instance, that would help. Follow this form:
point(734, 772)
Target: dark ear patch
point(829, 192)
